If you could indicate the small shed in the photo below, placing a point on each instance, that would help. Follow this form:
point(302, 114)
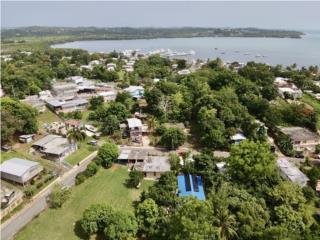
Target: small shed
point(26, 138)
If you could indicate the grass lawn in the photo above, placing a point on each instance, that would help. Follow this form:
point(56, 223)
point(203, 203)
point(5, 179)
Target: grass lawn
point(105, 187)
point(313, 103)
point(84, 150)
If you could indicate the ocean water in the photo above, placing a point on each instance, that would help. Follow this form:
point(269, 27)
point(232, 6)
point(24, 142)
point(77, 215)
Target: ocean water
point(285, 51)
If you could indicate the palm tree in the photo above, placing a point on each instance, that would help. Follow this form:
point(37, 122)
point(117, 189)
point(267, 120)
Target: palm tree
point(226, 224)
point(75, 135)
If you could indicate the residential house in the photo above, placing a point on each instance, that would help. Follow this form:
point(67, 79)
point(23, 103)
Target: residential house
point(73, 124)
point(108, 95)
point(286, 88)
point(133, 156)
point(76, 79)
point(190, 185)
point(65, 91)
point(154, 166)
point(59, 105)
point(26, 138)
point(54, 147)
point(135, 129)
point(291, 172)
point(20, 170)
point(303, 140)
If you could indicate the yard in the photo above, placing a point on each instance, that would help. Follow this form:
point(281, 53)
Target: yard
point(105, 187)
point(84, 149)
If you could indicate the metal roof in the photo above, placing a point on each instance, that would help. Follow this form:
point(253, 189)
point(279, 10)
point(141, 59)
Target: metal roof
point(17, 166)
point(134, 122)
point(292, 172)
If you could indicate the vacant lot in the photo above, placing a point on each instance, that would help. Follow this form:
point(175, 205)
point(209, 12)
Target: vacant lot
point(107, 186)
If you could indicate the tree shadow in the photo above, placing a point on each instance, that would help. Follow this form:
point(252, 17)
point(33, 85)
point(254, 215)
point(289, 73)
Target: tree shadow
point(79, 231)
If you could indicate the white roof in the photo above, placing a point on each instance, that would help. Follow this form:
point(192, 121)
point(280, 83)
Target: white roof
point(134, 88)
point(17, 166)
point(238, 136)
point(134, 122)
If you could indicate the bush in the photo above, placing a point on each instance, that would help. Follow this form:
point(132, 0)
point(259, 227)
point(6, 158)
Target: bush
point(80, 178)
point(39, 185)
point(29, 192)
point(59, 196)
point(92, 169)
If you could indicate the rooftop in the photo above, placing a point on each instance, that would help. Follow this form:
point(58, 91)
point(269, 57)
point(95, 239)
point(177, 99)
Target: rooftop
point(191, 185)
point(17, 166)
point(300, 134)
point(292, 172)
point(154, 164)
point(134, 122)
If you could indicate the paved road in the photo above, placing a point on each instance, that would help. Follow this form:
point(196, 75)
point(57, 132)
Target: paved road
point(39, 203)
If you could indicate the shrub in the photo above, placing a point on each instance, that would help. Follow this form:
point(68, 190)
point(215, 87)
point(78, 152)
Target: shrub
point(92, 169)
point(58, 196)
point(39, 185)
point(29, 192)
point(80, 178)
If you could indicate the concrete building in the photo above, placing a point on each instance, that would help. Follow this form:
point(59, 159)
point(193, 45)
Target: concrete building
point(154, 166)
point(59, 105)
point(19, 170)
point(291, 172)
point(303, 140)
point(135, 129)
point(65, 91)
point(54, 147)
point(26, 138)
point(76, 79)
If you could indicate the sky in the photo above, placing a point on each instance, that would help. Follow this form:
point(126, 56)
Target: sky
point(276, 15)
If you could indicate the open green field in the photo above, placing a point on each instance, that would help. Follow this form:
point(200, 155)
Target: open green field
point(105, 187)
point(313, 103)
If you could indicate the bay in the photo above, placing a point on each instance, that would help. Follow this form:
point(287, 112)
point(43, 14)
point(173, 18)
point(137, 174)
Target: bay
point(285, 51)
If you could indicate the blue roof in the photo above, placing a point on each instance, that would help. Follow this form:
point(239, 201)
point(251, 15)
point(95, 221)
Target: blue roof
point(193, 180)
